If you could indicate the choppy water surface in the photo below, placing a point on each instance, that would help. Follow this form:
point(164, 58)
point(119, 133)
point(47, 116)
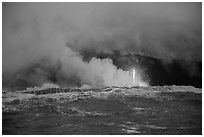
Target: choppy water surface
point(152, 110)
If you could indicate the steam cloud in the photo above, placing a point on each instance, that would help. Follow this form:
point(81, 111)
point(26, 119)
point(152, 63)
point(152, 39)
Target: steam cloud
point(97, 72)
point(42, 42)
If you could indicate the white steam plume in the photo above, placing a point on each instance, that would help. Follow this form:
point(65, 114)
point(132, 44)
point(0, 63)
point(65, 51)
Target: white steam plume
point(34, 31)
point(97, 72)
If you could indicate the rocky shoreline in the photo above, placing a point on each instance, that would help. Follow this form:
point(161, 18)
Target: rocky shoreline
point(109, 110)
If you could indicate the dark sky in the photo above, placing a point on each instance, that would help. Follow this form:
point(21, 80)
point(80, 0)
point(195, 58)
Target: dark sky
point(47, 42)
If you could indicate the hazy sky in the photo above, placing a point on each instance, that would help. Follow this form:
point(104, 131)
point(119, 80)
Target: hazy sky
point(54, 34)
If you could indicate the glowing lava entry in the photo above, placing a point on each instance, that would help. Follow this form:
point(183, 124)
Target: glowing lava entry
point(133, 76)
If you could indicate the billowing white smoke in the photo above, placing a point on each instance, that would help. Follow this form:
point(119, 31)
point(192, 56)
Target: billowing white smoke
point(35, 31)
point(97, 72)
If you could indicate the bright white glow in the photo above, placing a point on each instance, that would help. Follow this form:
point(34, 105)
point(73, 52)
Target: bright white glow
point(133, 76)
point(136, 78)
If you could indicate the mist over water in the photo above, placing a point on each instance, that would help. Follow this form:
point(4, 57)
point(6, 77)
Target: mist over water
point(45, 42)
